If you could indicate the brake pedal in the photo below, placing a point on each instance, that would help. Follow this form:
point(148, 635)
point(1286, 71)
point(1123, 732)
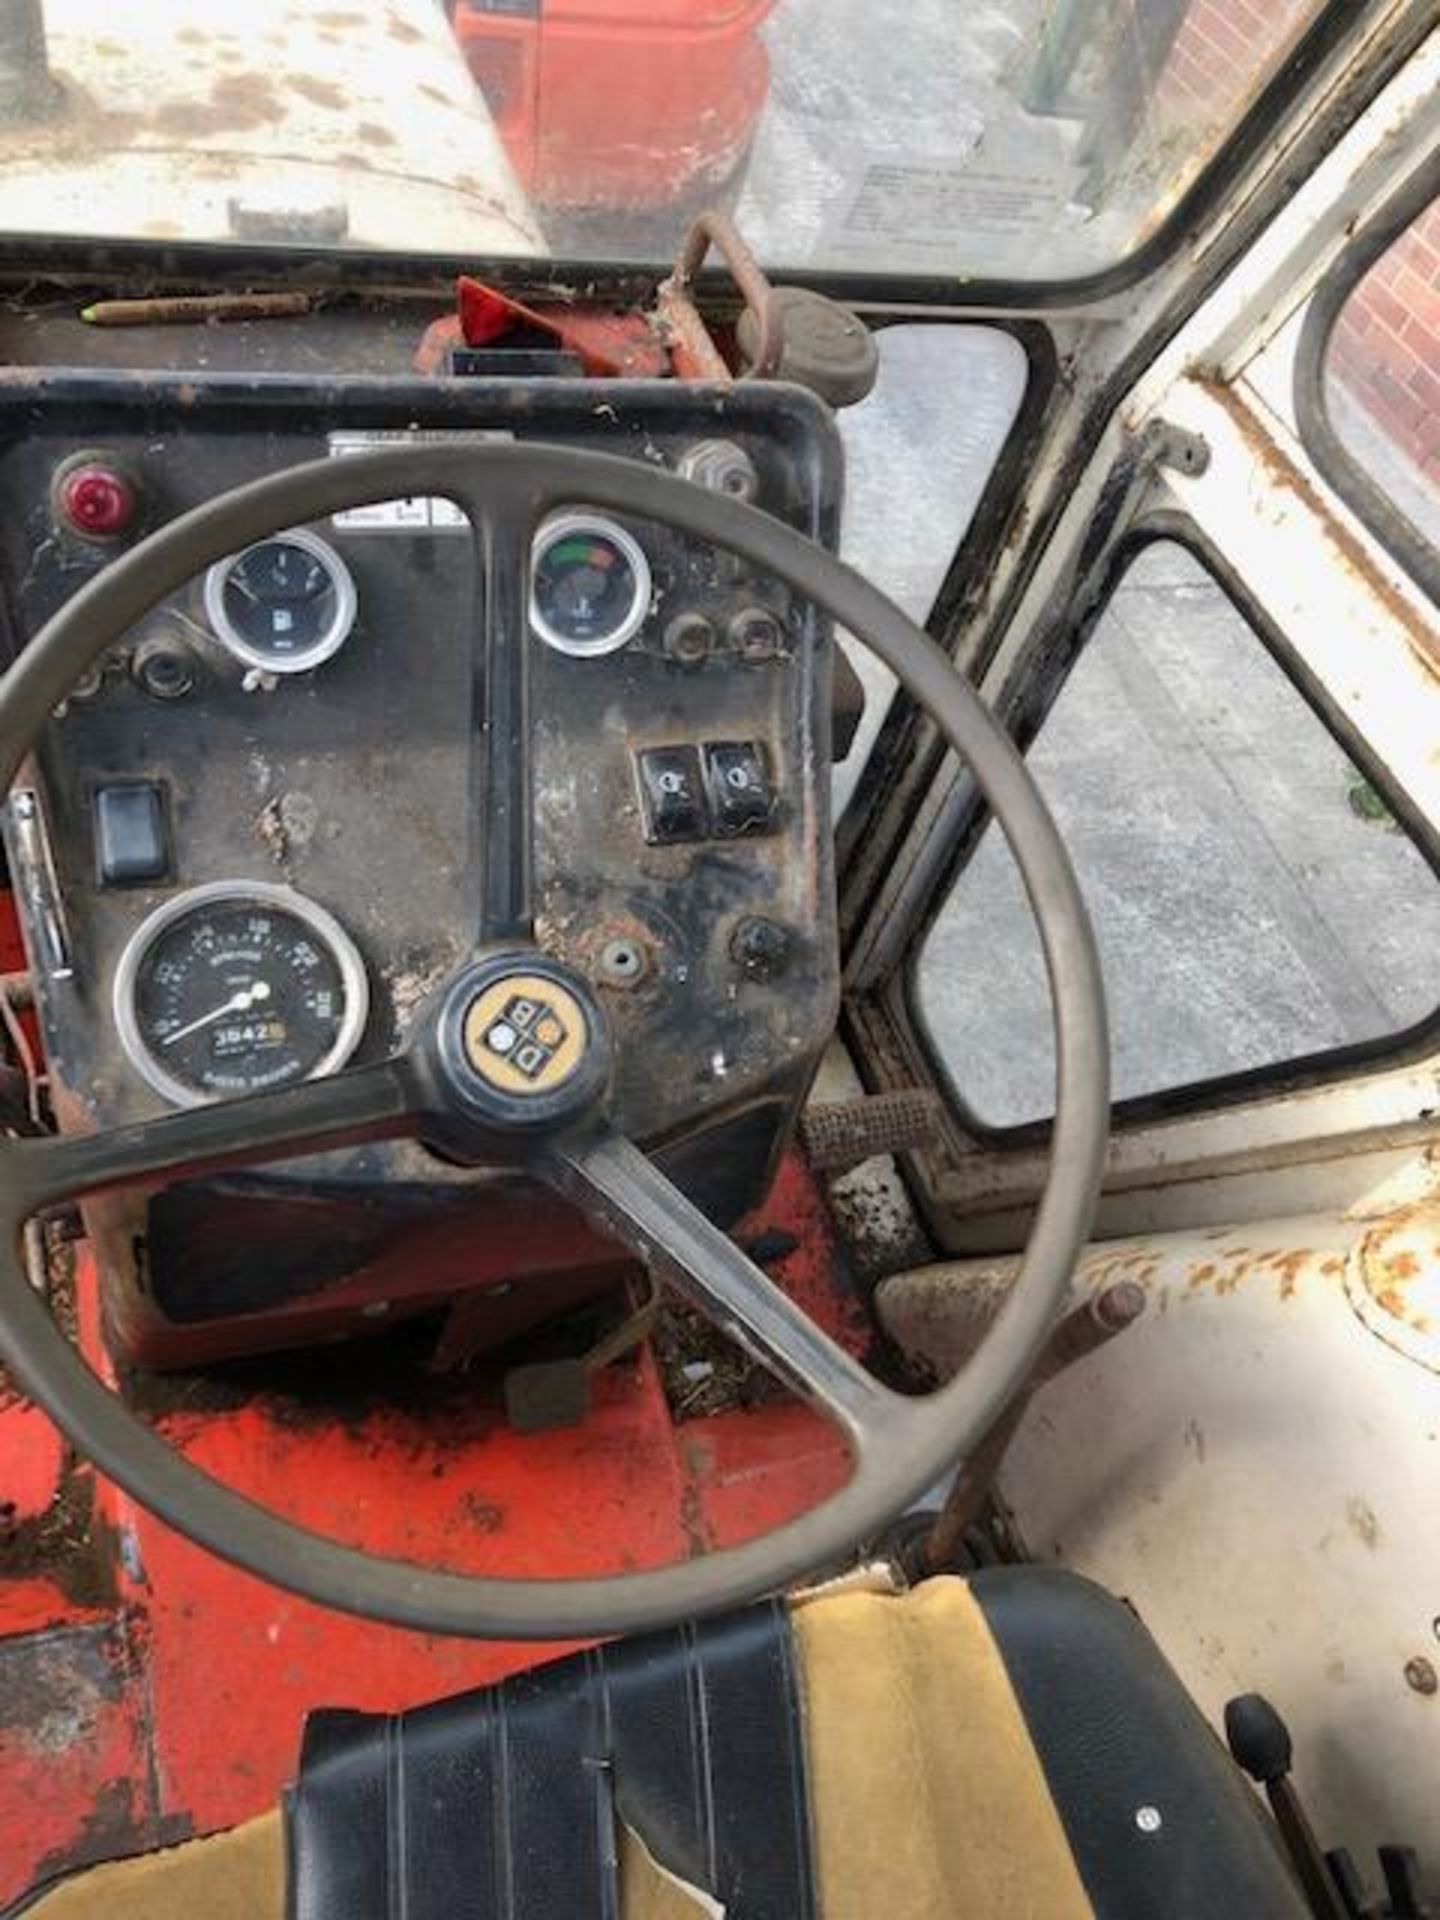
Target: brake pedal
point(556, 1393)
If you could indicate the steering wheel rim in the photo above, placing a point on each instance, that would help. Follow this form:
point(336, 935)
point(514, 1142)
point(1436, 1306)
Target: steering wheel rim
point(929, 1434)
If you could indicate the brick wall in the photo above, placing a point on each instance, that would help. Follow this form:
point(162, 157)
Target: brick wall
point(1221, 48)
point(1385, 348)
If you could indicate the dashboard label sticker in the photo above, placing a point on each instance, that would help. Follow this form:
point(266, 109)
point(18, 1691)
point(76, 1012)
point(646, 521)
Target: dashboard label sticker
point(403, 516)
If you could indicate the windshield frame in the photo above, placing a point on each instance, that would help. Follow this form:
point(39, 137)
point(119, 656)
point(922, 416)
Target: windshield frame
point(218, 264)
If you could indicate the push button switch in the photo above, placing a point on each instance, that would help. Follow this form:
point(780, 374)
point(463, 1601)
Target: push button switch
point(131, 841)
point(738, 781)
point(673, 795)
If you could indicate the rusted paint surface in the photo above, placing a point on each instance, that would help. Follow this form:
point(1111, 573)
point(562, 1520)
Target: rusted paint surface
point(939, 1313)
point(1220, 1268)
point(1393, 1280)
point(74, 1783)
point(1350, 550)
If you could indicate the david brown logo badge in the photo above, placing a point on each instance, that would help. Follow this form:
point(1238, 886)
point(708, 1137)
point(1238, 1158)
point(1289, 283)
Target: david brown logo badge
point(526, 1034)
point(529, 1034)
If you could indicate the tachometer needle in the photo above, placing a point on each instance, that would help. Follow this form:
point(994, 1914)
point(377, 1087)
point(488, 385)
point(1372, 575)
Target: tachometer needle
point(240, 1002)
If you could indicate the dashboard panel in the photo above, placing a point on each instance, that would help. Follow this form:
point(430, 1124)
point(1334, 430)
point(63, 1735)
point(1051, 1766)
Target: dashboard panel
point(248, 847)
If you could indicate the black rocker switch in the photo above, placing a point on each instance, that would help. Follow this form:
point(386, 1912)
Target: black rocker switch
point(131, 841)
point(741, 797)
point(673, 794)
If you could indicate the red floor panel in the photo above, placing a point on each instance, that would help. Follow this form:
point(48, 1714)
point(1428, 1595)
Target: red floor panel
point(173, 1702)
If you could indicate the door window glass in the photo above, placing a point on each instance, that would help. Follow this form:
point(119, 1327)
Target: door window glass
point(919, 452)
point(1254, 900)
point(1382, 374)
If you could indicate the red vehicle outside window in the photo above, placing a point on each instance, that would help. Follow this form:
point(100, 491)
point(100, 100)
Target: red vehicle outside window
point(620, 104)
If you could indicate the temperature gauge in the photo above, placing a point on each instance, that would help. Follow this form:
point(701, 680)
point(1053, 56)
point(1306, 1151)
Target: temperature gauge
point(283, 605)
point(590, 586)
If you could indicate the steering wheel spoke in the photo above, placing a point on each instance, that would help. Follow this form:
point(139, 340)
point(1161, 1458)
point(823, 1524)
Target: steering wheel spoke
point(502, 808)
point(345, 1109)
point(625, 1194)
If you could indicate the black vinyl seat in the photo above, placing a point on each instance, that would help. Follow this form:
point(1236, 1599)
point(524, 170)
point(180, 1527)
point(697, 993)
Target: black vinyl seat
point(711, 1743)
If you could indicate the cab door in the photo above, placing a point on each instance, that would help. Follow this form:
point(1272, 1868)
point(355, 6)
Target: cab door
point(1207, 609)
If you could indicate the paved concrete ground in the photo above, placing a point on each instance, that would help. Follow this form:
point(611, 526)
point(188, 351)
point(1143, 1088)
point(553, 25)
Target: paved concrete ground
point(1247, 908)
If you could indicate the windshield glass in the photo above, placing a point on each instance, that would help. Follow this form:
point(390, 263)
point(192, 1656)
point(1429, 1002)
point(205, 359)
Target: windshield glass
point(1018, 139)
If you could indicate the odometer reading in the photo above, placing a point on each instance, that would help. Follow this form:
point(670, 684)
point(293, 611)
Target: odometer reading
point(237, 989)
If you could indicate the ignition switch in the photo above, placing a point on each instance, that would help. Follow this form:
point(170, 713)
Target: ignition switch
point(164, 667)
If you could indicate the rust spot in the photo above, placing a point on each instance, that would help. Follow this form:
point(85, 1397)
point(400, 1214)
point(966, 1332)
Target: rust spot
point(57, 1686)
point(337, 17)
point(237, 103)
point(437, 94)
point(1421, 1677)
point(699, 1463)
point(482, 1514)
point(374, 135)
point(117, 1824)
point(402, 30)
point(1289, 1267)
point(190, 37)
point(1333, 1266)
point(1400, 1266)
point(1361, 1519)
point(1283, 472)
point(320, 93)
point(1201, 1276)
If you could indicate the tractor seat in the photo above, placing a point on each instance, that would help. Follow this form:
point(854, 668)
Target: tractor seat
point(1011, 1747)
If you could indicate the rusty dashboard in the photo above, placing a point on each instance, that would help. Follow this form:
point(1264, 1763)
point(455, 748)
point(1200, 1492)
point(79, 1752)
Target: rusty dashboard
point(280, 758)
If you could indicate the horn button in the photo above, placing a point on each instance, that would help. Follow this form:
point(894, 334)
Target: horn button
point(522, 1042)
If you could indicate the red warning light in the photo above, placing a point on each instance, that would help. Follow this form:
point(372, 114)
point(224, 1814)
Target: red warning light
point(97, 501)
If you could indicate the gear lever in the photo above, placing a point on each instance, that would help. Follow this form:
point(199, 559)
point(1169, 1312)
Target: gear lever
point(1260, 1742)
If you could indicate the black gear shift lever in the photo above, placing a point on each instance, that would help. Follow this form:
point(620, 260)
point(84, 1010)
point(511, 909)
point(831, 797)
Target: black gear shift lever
point(1260, 1741)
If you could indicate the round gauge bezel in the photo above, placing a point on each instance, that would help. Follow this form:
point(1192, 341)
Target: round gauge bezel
point(342, 621)
point(354, 979)
point(561, 526)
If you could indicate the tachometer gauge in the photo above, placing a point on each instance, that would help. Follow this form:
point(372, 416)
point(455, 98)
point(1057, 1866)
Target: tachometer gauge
point(590, 585)
point(283, 605)
point(238, 987)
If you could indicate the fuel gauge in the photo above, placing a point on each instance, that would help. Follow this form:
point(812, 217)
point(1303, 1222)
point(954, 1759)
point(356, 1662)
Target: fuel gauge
point(284, 605)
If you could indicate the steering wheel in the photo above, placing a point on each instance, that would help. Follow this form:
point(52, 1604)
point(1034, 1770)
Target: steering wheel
point(448, 1090)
